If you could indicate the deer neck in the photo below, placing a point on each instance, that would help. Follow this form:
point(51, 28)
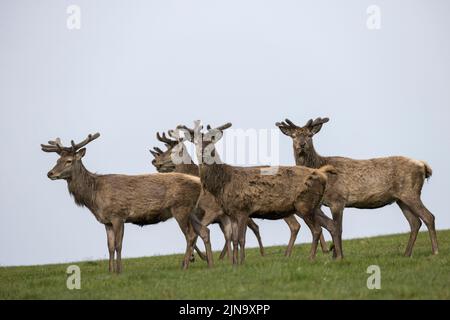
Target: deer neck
point(214, 176)
point(310, 159)
point(187, 168)
point(83, 187)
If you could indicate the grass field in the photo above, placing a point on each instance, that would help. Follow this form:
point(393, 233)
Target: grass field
point(270, 277)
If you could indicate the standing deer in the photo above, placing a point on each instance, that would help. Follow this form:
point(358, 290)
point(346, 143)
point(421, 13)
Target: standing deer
point(164, 163)
point(366, 184)
point(243, 192)
point(117, 199)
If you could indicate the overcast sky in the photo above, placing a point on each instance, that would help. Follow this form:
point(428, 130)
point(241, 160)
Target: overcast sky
point(136, 67)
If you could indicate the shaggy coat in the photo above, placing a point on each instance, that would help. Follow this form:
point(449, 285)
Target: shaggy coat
point(164, 163)
point(118, 199)
point(366, 184)
point(243, 192)
point(209, 211)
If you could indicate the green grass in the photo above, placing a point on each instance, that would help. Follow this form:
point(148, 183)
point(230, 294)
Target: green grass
point(271, 277)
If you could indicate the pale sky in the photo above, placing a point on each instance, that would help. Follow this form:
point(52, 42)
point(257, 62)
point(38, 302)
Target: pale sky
point(137, 67)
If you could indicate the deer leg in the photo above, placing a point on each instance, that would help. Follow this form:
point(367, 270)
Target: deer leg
point(337, 212)
point(191, 238)
point(111, 246)
point(414, 223)
point(225, 226)
point(203, 232)
point(225, 247)
point(182, 218)
point(418, 208)
point(200, 253)
point(316, 231)
point(254, 227)
point(118, 228)
point(331, 227)
point(242, 229)
point(323, 243)
point(235, 235)
point(294, 226)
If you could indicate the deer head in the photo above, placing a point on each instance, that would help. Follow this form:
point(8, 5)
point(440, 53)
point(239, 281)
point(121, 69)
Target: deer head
point(302, 136)
point(163, 161)
point(204, 141)
point(69, 157)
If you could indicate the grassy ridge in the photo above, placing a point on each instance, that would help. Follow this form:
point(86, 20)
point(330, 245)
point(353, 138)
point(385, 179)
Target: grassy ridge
point(271, 277)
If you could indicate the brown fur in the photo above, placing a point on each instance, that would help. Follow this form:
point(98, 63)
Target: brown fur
point(141, 199)
point(242, 192)
point(366, 184)
point(164, 163)
point(210, 211)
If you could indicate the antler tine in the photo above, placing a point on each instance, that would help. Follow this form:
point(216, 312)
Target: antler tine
point(54, 146)
point(80, 145)
point(50, 148)
point(287, 124)
point(225, 126)
point(291, 124)
point(191, 131)
point(168, 141)
point(320, 121)
point(158, 150)
point(163, 138)
point(281, 124)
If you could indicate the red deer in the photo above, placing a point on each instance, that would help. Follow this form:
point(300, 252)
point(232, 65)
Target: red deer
point(366, 184)
point(164, 163)
point(243, 192)
point(117, 199)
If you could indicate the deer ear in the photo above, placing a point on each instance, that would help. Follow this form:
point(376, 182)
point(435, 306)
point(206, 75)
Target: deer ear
point(80, 154)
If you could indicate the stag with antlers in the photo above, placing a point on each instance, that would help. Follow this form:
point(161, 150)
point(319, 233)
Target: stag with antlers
point(118, 199)
point(212, 213)
point(244, 192)
point(164, 163)
point(366, 184)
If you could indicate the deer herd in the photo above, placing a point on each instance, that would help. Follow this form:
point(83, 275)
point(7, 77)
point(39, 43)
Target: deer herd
point(215, 192)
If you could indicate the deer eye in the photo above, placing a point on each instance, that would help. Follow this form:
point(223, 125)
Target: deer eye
point(68, 162)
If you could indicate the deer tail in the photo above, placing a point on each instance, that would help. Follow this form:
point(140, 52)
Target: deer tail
point(326, 169)
point(428, 170)
point(321, 174)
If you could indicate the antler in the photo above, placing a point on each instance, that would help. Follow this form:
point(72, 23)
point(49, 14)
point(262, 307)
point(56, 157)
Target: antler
point(56, 145)
point(166, 140)
point(287, 124)
point(157, 151)
point(319, 121)
point(191, 131)
point(53, 146)
point(221, 128)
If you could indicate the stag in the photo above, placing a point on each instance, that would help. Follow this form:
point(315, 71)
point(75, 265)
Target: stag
point(366, 184)
point(164, 162)
point(244, 192)
point(118, 199)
